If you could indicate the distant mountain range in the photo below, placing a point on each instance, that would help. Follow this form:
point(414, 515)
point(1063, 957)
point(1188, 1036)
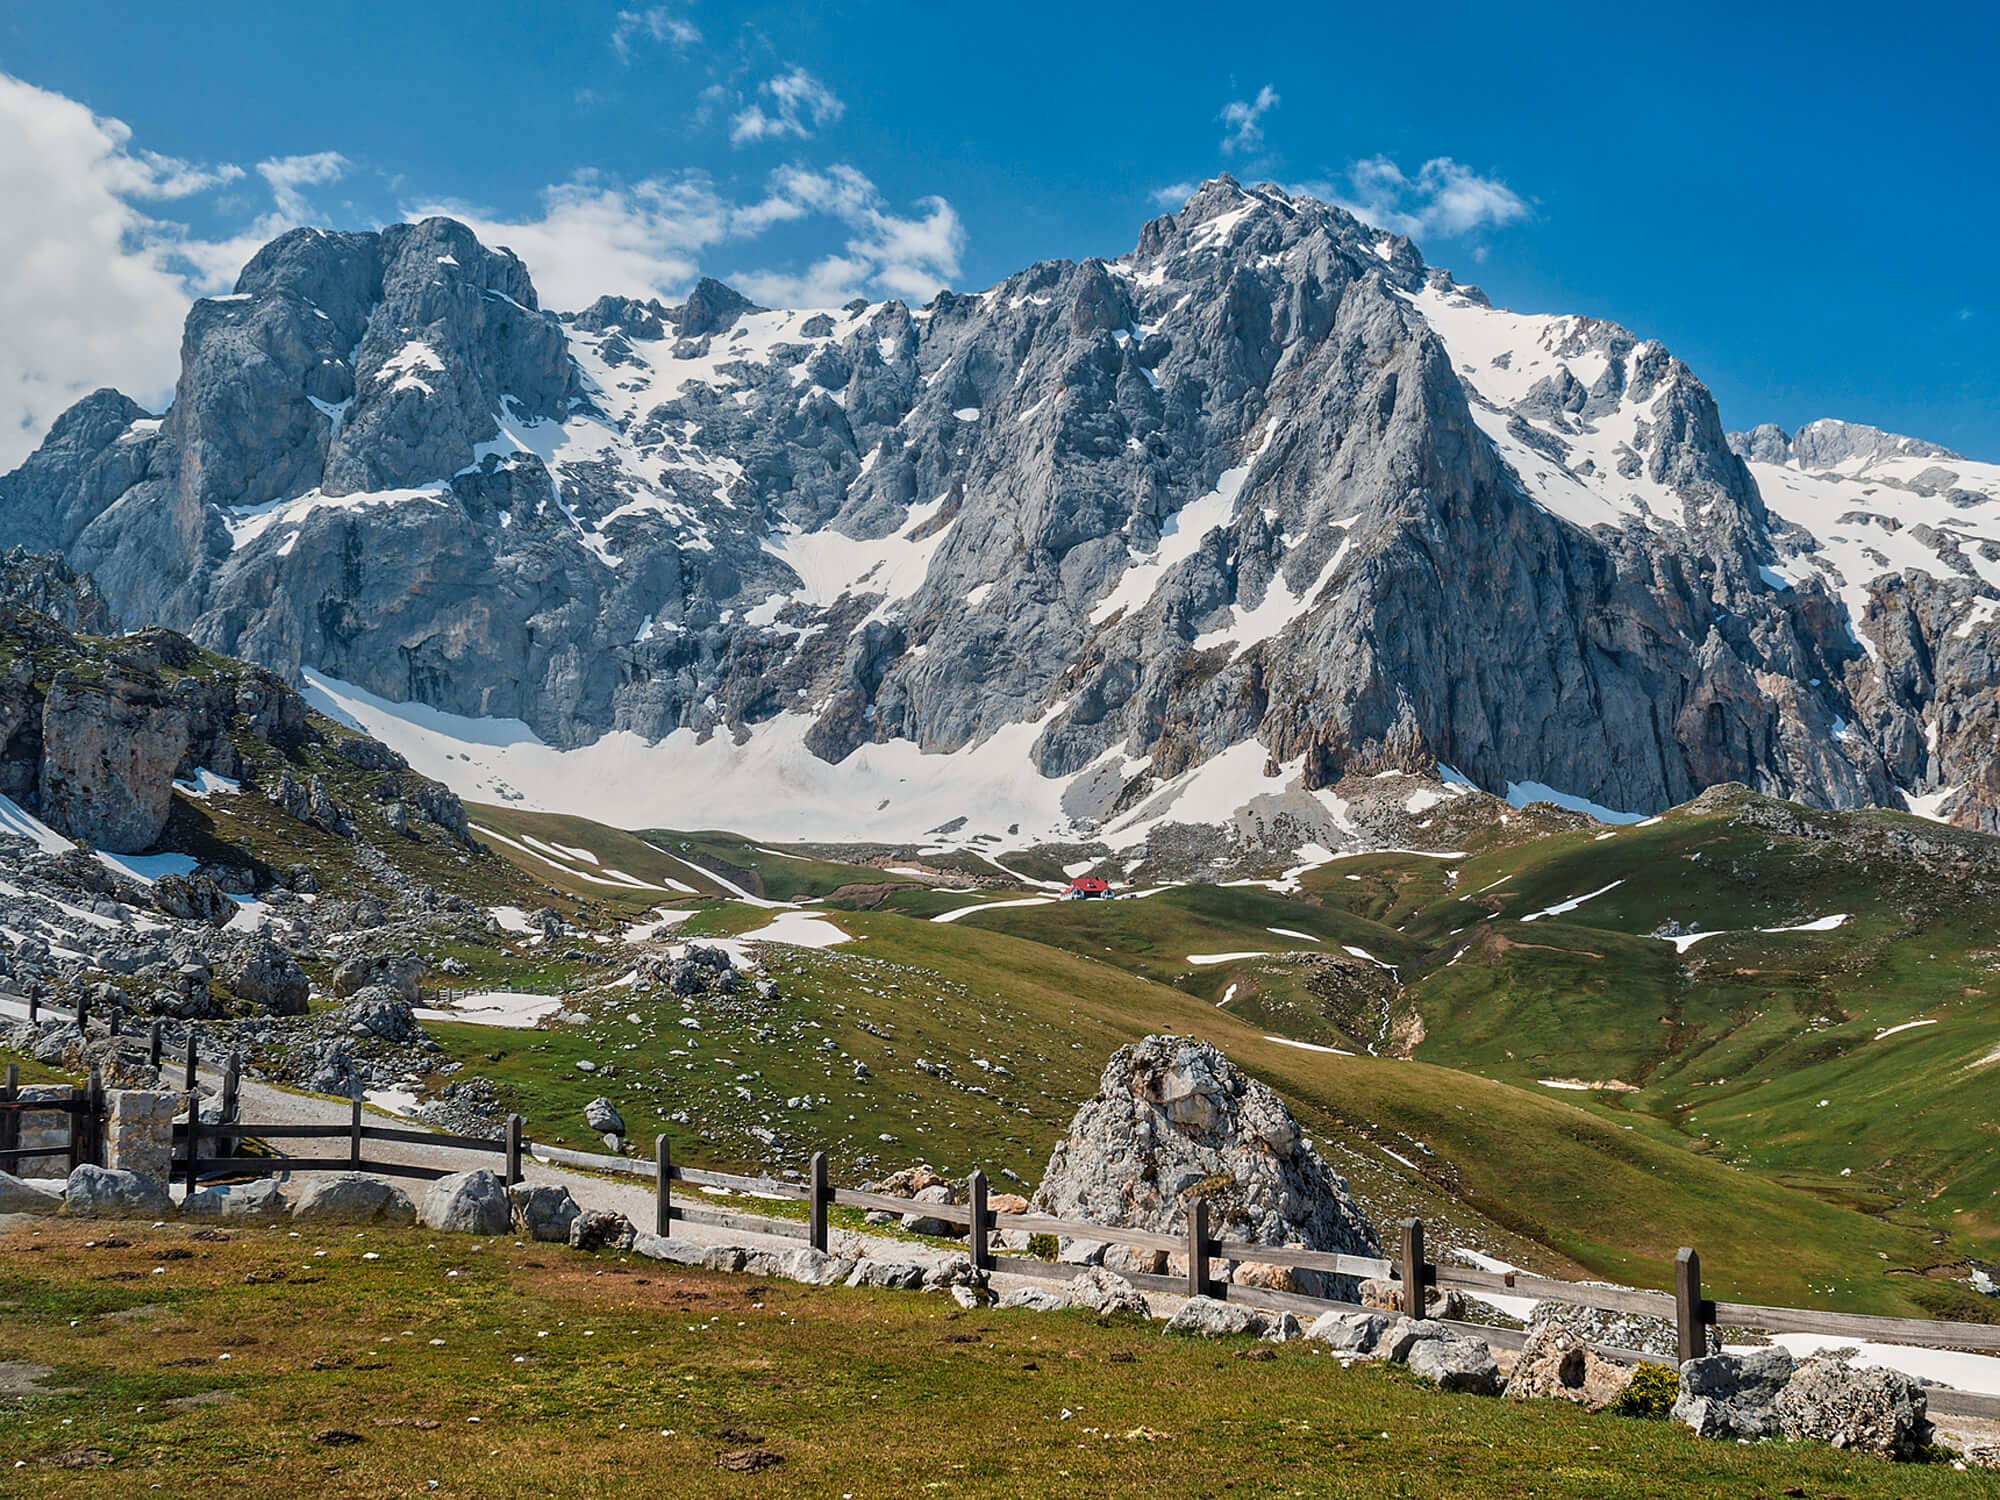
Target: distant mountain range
point(1211, 534)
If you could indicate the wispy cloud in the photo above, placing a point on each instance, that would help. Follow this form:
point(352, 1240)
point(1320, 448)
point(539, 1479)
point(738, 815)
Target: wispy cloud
point(800, 106)
point(651, 238)
point(662, 24)
point(290, 175)
point(1174, 194)
point(1444, 197)
point(1244, 121)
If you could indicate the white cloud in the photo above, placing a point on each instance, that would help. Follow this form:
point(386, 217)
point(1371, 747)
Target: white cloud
point(1174, 194)
point(907, 256)
point(595, 236)
point(800, 105)
point(1445, 198)
point(288, 174)
point(652, 238)
point(657, 23)
point(97, 288)
point(1245, 121)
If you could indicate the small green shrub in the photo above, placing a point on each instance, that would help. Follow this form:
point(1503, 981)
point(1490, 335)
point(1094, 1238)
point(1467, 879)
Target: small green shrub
point(1042, 1246)
point(1651, 1393)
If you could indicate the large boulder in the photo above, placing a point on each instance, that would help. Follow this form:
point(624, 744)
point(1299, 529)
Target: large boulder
point(18, 1197)
point(1175, 1120)
point(1104, 1293)
point(193, 898)
point(467, 1203)
point(106, 1193)
point(262, 1199)
point(1733, 1395)
point(601, 1229)
point(353, 1198)
point(1457, 1364)
point(266, 976)
point(1832, 1400)
point(377, 1011)
point(922, 1223)
point(541, 1212)
point(1349, 1333)
point(400, 973)
point(1206, 1317)
point(1557, 1362)
point(602, 1116)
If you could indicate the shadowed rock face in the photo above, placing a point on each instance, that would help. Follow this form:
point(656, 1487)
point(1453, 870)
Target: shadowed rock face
point(1264, 477)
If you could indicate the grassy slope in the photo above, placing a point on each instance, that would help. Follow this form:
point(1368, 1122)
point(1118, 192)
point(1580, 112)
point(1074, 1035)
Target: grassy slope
point(491, 1369)
point(1491, 1157)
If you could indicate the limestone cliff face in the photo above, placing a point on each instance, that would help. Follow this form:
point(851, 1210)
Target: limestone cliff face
point(1266, 478)
point(96, 731)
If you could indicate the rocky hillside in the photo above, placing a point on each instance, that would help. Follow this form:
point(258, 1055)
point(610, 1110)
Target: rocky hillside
point(1263, 504)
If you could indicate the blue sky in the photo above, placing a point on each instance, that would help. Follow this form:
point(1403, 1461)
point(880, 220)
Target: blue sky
point(1799, 200)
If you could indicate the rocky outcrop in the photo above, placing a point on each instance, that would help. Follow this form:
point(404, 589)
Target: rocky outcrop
point(401, 974)
point(1830, 1399)
point(45, 584)
point(1733, 1395)
point(1174, 1120)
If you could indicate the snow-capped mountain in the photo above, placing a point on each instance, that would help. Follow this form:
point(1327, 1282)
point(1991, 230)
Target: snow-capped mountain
point(1208, 533)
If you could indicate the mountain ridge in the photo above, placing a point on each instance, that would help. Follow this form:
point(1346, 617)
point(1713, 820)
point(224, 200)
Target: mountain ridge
point(1267, 483)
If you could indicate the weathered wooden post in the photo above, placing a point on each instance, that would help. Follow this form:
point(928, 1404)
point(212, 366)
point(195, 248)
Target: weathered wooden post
point(982, 1256)
point(83, 1010)
point(663, 1173)
point(94, 1107)
point(153, 1041)
point(193, 1139)
point(1413, 1267)
point(10, 1120)
point(34, 1009)
point(192, 1044)
point(1197, 1248)
point(232, 1080)
point(78, 1108)
point(513, 1149)
point(354, 1134)
point(816, 1204)
point(1688, 1321)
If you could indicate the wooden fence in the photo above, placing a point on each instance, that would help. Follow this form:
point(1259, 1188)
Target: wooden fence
point(1691, 1314)
point(189, 1135)
point(84, 1107)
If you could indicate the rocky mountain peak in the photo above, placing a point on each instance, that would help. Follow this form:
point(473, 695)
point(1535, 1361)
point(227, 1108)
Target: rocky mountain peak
point(1267, 488)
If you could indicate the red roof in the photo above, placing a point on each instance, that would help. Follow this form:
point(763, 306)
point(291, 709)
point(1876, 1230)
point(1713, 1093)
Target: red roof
point(1090, 883)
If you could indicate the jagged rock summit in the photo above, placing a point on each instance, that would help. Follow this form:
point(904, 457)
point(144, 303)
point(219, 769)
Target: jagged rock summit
point(1174, 1120)
point(1202, 534)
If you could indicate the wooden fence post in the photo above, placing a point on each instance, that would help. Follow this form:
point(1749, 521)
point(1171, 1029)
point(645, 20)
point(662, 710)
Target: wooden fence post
point(193, 1139)
point(83, 1010)
point(513, 1149)
point(78, 1107)
point(94, 1105)
point(816, 1205)
point(10, 1120)
point(1197, 1248)
point(982, 1254)
point(153, 1040)
point(663, 1172)
point(1688, 1321)
point(1413, 1268)
point(354, 1135)
point(34, 1009)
